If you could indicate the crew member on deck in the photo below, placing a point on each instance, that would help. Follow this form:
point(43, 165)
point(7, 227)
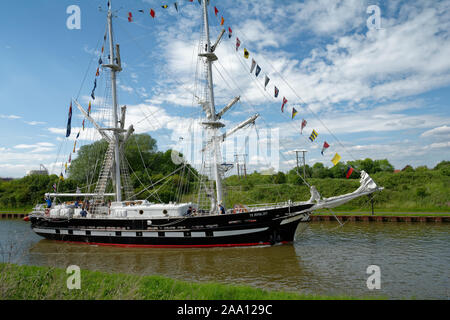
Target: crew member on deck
point(221, 209)
point(49, 202)
point(189, 211)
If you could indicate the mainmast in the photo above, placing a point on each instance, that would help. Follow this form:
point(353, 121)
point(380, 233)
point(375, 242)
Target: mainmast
point(213, 124)
point(115, 67)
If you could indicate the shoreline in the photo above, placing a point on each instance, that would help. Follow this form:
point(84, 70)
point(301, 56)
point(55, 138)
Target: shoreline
point(37, 283)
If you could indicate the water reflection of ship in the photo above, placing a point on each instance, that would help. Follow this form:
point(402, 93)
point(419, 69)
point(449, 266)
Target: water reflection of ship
point(274, 268)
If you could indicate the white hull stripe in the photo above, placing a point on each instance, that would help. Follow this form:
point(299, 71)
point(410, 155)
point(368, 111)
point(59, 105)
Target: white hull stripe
point(295, 218)
point(167, 234)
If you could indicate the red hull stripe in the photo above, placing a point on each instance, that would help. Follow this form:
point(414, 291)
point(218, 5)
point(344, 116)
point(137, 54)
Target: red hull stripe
point(168, 246)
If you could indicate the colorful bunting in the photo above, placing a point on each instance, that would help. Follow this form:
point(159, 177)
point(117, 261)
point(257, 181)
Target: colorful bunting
point(83, 123)
point(164, 6)
point(54, 187)
point(216, 11)
point(294, 113)
point(61, 177)
point(176, 6)
point(253, 66)
point(100, 61)
point(246, 53)
point(93, 90)
point(325, 147)
point(98, 72)
point(222, 21)
point(74, 146)
point(152, 13)
point(238, 44)
point(230, 33)
point(349, 172)
point(130, 17)
point(258, 70)
point(276, 92)
point(266, 82)
point(336, 159)
point(284, 103)
point(304, 123)
point(142, 11)
point(78, 135)
point(313, 136)
point(65, 165)
point(69, 121)
point(89, 109)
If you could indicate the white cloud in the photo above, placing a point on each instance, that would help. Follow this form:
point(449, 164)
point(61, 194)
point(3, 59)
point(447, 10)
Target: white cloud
point(439, 132)
point(35, 123)
point(11, 116)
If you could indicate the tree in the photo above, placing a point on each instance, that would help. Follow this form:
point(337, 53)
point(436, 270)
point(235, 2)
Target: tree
point(139, 150)
point(384, 166)
point(338, 171)
point(320, 171)
point(442, 164)
point(279, 178)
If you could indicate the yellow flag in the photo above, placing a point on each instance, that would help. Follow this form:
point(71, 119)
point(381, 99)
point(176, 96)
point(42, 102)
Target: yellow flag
point(336, 159)
point(246, 53)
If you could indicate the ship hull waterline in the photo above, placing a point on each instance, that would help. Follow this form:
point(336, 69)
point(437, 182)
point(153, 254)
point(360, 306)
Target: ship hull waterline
point(259, 228)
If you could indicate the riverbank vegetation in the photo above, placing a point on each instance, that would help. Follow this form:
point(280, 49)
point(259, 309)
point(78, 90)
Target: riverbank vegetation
point(46, 283)
point(409, 190)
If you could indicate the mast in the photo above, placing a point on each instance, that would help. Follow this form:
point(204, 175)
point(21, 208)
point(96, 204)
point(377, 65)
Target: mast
point(213, 124)
point(114, 68)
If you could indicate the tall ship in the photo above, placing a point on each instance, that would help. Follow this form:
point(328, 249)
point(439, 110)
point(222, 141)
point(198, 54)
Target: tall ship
point(119, 219)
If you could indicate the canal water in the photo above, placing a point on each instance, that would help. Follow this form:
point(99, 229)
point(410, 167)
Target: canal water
point(325, 259)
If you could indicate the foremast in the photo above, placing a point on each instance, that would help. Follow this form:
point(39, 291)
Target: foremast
point(114, 68)
point(114, 163)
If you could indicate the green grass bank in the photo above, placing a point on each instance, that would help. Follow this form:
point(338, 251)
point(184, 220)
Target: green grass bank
point(420, 191)
point(46, 283)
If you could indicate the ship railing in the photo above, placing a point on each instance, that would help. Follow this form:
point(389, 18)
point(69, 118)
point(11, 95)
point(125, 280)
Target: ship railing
point(254, 207)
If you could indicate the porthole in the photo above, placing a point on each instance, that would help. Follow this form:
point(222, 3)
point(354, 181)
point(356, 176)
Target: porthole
point(141, 211)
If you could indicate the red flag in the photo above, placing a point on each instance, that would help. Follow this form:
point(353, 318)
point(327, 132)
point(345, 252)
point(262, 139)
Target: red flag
point(152, 13)
point(325, 146)
point(216, 11)
point(130, 17)
point(230, 33)
point(238, 44)
point(349, 172)
point(284, 103)
point(304, 123)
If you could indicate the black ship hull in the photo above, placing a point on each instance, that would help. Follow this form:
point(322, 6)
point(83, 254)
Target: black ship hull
point(264, 227)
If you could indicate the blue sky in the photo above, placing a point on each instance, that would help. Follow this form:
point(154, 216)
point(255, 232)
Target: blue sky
point(381, 93)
